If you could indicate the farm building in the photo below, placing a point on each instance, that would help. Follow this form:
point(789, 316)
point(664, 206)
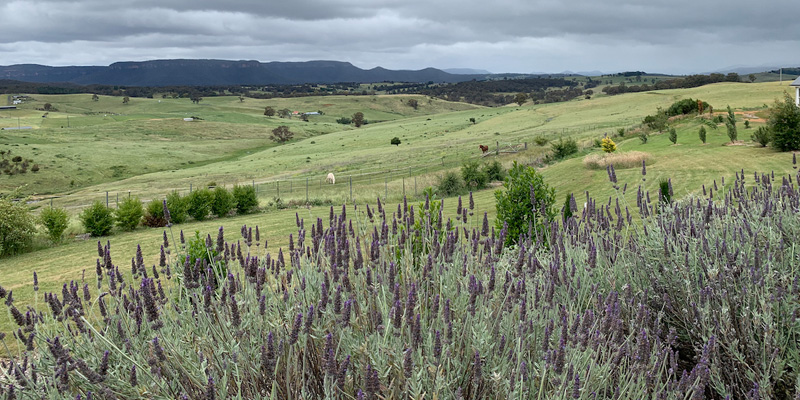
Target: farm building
point(796, 85)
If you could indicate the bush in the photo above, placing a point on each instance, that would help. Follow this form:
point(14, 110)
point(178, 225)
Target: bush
point(564, 148)
point(784, 123)
point(656, 122)
point(526, 201)
point(494, 171)
point(55, 222)
point(199, 204)
point(665, 191)
point(129, 213)
point(702, 134)
point(178, 207)
point(673, 136)
point(450, 184)
point(245, 198)
point(154, 214)
point(16, 225)
point(474, 177)
point(344, 120)
point(762, 136)
point(223, 202)
point(644, 136)
point(98, 219)
point(395, 141)
point(686, 106)
point(541, 141)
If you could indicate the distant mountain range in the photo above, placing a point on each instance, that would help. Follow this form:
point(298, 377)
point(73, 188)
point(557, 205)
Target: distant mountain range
point(223, 72)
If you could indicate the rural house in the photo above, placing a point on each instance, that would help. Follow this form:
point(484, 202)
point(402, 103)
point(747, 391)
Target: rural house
point(796, 85)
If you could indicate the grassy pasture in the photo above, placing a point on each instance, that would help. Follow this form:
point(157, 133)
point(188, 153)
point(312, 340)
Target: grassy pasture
point(161, 152)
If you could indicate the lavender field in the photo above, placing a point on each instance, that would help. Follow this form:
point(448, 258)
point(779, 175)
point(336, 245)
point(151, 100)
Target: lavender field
point(656, 300)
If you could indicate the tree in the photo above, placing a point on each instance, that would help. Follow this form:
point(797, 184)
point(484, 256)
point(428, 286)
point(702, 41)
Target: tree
point(673, 136)
point(47, 107)
point(784, 124)
point(472, 119)
point(195, 98)
point(396, 141)
point(284, 113)
point(752, 77)
point(281, 134)
point(223, 202)
point(413, 103)
point(269, 111)
point(16, 225)
point(126, 100)
point(358, 119)
point(762, 136)
point(241, 99)
point(527, 202)
point(95, 97)
point(520, 98)
point(730, 123)
point(702, 134)
point(608, 145)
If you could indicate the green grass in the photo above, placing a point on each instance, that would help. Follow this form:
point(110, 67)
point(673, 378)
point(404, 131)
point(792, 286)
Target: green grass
point(159, 152)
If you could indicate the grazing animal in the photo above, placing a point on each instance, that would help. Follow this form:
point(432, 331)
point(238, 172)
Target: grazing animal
point(484, 148)
point(330, 178)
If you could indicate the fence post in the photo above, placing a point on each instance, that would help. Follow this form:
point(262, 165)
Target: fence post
point(306, 190)
point(386, 188)
point(351, 188)
point(415, 186)
point(526, 145)
point(278, 188)
point(106, 199)
point(190, 188)
point(497, 149)
point(404, 186)
point(254, 184)
point(117, 202)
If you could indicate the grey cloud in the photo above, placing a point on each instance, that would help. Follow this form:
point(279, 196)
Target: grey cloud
point(519, 35)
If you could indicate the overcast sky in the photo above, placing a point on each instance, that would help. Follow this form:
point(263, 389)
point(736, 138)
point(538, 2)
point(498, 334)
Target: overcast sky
point(672, 36)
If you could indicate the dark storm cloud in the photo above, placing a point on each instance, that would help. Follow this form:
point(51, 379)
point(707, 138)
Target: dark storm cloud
point(504, 35)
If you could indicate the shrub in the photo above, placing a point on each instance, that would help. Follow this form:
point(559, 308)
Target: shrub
point(472, 174)
point(450, 184)
point(644, 136)
point(686, 106)
point(702, 134)
point(178, 207)
point(608, 145)
point(494, 171)
point(762, 136)
point(747, 124)
point(784, 123)
point(395, 141)
point(621, 132)
point(665, 191)
point(55, 222)
point(564, 148)
point(344, 120)
point(281, 134)
point(541, 141)
point(129, 213)
point(16, 225)
point(223, 202)
point(526, 202)
point(568, 208)
point(657, 122)
point(154, 214)
point(245, 198)
point(199, 204)
point(673, 136)
point(98, 219)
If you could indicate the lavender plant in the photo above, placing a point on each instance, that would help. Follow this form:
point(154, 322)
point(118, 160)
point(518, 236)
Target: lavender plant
point(699, 299)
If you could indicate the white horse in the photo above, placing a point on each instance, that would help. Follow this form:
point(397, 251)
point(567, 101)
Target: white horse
point(330, 178)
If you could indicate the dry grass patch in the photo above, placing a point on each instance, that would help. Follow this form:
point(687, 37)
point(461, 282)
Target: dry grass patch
point(628, 159)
